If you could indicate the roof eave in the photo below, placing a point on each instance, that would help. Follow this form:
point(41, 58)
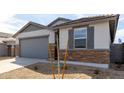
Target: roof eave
point(83, 22)
point(116, 25)
point(29, 23)
point(59, 18)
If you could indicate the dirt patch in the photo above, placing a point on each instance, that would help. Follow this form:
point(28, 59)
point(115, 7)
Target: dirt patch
point(44, 71)
point(116, 66)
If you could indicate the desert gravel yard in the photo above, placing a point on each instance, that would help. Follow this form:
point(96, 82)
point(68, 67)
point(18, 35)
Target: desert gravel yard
point(43, 71)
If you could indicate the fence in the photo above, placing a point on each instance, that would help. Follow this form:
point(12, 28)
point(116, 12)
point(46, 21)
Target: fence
point(117, 53)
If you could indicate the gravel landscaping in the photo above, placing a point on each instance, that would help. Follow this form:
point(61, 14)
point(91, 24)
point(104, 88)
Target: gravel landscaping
point(44, 71)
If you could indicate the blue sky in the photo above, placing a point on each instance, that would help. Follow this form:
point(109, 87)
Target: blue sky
point(13, 23)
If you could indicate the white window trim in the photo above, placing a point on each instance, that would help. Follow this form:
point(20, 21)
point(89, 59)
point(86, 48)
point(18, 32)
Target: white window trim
point(80, 38)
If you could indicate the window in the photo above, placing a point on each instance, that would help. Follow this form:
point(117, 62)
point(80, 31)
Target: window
point(80, 37)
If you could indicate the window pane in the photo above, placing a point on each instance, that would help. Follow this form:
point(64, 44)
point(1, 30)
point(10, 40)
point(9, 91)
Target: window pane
point(80, 33)
point(80, 43)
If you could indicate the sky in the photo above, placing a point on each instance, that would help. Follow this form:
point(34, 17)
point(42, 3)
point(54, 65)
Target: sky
point(12, 23)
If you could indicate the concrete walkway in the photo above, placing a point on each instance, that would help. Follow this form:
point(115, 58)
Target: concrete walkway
point(15, 63)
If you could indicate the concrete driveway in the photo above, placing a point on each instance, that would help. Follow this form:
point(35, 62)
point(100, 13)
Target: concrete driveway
point(15, 63)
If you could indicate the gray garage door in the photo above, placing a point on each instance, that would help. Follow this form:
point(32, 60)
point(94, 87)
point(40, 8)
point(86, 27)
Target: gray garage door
point(3, 50)
point(34, 47)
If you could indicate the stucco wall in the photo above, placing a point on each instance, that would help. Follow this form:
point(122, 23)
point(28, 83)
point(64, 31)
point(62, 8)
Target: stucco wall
point(43, 32)
point(101, 35)
point(52, 37)
point(63, 38)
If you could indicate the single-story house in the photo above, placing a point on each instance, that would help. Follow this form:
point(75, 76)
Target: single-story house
point(7, 45)
point(89, 39)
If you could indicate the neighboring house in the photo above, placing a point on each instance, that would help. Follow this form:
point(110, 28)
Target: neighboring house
point(89, 39)
point(7, 45)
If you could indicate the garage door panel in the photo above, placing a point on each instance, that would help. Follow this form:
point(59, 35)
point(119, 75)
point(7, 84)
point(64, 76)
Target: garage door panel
point(34, 47)
point(3, 50)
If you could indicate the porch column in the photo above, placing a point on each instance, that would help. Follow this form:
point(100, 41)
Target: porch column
point(17, 51)
point(12, 51)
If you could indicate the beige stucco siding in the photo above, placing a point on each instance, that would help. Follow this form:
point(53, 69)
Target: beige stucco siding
point(63, 36)
point(38, 33)
point(52, 37)
point(101, 35)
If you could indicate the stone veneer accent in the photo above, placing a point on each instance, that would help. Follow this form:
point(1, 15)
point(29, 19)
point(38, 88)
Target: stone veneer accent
point(17, 50)
point(51, 51)
point(95, 56)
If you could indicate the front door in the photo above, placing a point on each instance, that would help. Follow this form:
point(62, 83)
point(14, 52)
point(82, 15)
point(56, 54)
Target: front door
point(56, 34)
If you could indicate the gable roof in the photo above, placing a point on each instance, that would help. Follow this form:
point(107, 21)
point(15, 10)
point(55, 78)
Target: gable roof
point(58, 19)
point(113, 22)
point(87, 19)
point(29, 23)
